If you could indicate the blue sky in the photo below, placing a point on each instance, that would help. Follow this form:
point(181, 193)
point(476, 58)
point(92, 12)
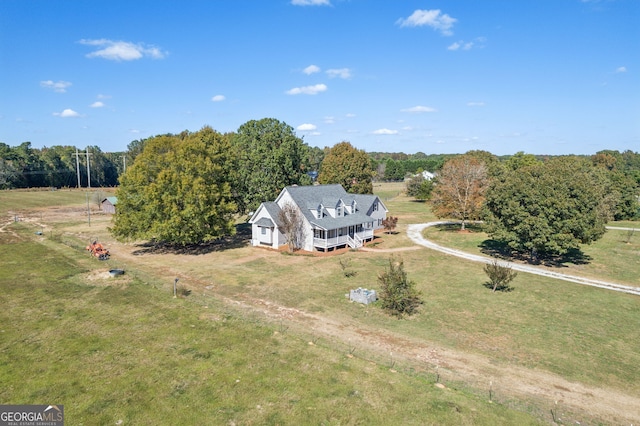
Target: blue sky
point(539, 76)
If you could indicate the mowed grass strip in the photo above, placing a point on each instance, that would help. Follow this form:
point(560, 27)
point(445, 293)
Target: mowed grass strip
point(122, 351)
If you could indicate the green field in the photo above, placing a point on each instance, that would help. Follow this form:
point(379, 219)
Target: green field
point(123, 349)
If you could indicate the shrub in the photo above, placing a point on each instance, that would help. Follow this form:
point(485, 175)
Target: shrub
point(398, 295)
point(499, 275)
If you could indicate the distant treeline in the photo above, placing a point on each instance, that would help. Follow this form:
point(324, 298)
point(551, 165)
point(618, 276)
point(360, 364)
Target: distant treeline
point(58, 166)
point(395, 166)
point(26, 167)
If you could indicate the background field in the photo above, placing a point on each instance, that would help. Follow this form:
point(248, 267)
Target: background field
point(111, 328)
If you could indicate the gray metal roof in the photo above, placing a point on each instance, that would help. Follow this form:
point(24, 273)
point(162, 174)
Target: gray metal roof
point(264, 222)
point(274, 211)
point(309, 197)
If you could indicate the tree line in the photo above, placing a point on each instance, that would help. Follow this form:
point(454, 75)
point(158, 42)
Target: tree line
point(532, 207)
point(23, 166)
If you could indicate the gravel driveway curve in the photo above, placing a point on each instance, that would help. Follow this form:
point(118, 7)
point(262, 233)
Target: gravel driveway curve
point(415, 234)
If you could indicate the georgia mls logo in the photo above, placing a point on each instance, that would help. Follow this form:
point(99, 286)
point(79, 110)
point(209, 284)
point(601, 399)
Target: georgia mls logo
point(31, 415)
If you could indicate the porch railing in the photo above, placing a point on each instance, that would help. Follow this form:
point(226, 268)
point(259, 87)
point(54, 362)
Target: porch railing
point(343, 240)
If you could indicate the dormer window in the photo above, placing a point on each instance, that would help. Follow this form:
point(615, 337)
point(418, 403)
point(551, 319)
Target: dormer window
point(319, 212)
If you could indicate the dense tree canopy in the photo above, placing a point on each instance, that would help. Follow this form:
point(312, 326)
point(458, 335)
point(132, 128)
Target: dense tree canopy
point(178, 191)
point(459, 189)
point(270, 157)
point(547, 209)
point(347, 166)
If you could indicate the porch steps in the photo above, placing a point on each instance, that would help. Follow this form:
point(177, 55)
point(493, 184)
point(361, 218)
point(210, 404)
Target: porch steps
point(354, 243)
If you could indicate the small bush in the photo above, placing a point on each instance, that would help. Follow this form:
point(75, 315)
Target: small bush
point(499, 276)
point(398, 295)
point(345, 264)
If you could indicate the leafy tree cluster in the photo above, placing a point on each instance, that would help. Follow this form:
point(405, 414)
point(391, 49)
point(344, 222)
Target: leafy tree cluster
point(26, 167)
point(348, 166)
point(178, 190)
point(548, 209)
point(269, 157)
point(419, 187)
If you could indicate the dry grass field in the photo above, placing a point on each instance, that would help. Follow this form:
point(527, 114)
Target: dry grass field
point(544, 346)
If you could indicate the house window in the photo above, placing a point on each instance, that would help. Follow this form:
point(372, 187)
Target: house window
point(263, 231)
point(375, 207)
point(319, 214)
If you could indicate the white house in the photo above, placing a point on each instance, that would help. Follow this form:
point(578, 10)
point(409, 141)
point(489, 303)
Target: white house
point(332, 218)
point(428, 175)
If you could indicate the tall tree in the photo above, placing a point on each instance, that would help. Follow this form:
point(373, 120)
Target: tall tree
point(459, 189)
point(270, 157)
point(347, 166)
point(549, 208)
point(178, 191)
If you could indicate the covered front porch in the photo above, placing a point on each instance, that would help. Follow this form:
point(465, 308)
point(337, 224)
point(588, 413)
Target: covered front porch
point(349, 236)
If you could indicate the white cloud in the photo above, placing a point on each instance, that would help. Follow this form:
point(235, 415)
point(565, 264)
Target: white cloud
point(104, 96)
point(454, 46)
point(311, 69)
point(475, 104)
point(385, 132)
point(218, 98)
point(306, 127)
point(97, 104)
point(621, 69)
point(58, 86)
point(67, 113)
point(329, 120)
point(339, 72)
point(350, 115)
point(478, 42)
point(121, 50)
point(419, 109)
point(431, 18)
point(307, 90)
point(311, 2)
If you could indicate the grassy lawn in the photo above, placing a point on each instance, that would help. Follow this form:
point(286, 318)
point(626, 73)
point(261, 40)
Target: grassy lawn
point(610, 258)
point(171, 359)
point(118, 350)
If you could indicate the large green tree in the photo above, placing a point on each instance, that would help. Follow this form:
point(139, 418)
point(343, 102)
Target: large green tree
point(348, 166)
point(270, 157)
point(547, 209)
point(178, 190)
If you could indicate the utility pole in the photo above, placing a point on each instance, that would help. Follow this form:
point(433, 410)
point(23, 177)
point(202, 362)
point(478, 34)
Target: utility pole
point(124, 163)
point(88, 172)
point(78, 167)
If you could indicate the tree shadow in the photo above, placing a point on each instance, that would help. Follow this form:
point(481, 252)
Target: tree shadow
point(505, 288)
point(470, 227)
point(240, 239)
point(501, 250)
